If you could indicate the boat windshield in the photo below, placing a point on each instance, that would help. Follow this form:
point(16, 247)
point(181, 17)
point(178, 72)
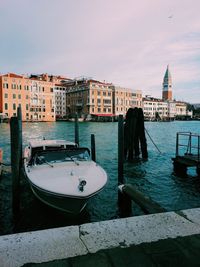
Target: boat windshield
point(46, 157)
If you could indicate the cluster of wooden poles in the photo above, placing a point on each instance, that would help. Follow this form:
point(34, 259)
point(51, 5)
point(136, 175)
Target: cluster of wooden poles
point(132, 141)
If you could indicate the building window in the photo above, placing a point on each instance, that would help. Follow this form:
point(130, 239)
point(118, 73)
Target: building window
point(14, 96)
point(6, 106)
point(26, 106)
point(6, 95)
point(14, 106)
point(5, 85)
point(107, 101)
point(19, 96)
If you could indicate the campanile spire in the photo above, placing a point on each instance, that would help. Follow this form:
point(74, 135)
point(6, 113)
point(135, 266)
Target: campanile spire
point(167, 85)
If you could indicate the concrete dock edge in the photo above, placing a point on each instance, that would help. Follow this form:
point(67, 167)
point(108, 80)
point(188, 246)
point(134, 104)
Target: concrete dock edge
point(62, 243)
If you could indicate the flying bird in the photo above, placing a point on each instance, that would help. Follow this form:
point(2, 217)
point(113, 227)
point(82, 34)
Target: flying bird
point(170, 17)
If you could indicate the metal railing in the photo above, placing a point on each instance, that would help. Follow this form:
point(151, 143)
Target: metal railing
point(192, 144)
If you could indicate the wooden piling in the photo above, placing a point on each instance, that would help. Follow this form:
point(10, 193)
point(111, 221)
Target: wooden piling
point(146, 204)
point(93, 147)
point(134, 133)
point(16, 160)
point(141, 133)
point(124, 202)
point(1, 161)
point(120, 150)
point(76, 129)
point(130, 133)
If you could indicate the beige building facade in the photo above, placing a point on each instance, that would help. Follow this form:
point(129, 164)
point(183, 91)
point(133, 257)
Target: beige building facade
point(124, 98)
point(92, 98)
point(89, 97)
point(34, 94)
point(14, 92)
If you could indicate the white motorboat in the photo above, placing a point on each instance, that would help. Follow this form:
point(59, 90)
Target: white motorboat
point(62, 175)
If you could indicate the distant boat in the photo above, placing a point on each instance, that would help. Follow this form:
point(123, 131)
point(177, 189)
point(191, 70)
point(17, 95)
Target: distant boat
point(79, 119)
point(62, 175)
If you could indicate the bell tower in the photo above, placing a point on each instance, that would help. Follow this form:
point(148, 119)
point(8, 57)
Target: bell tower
point(167, 85)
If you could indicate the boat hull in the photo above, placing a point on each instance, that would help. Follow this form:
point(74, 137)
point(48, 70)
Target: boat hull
point(62, 175)
point(64, 203)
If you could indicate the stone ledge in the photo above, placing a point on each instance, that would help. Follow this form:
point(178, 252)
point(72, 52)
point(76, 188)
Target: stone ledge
point(135, 230)
point(193, 215)
point(61, 243)
point(40, 246)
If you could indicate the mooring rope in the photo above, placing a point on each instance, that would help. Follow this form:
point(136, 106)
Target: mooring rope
point(153, 141)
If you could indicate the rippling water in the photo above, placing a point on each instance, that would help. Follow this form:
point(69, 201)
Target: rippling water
point(153, 177)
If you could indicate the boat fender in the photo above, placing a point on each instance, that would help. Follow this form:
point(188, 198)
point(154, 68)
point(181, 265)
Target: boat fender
point(81, 185)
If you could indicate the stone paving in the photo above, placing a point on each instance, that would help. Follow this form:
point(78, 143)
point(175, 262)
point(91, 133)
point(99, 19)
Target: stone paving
point(164, 239)
point(181, 251)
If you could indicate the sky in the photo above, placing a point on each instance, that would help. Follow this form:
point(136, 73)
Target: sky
point(126, 42)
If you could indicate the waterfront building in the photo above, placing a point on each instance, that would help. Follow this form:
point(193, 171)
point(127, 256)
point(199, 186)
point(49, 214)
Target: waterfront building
point(34, 94)
point(124, 98)
point(171, 109)
point(42, 99)
point(92, 99)
point(14, 92)
point(155, 108)
point(167, 86)
point(182, 111)
point(60, 101)
point(89, 97)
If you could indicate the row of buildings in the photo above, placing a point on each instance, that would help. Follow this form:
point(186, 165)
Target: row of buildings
point(47, 98)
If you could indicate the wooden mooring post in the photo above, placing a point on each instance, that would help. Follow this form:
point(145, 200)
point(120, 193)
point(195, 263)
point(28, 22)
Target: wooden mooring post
point(124, 202)
point(134, 135)
point(120, 150)
point(93, 147)
point(1, 160)
point(76, 129)
point(147, 205)
point(16, 159)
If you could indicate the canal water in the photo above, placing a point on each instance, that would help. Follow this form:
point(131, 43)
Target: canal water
point(154, 177)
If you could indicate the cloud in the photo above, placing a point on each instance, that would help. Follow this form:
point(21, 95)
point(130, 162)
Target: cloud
point(125, 42)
